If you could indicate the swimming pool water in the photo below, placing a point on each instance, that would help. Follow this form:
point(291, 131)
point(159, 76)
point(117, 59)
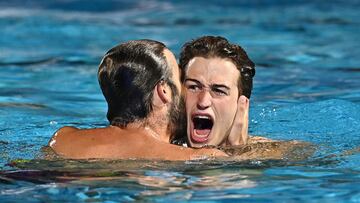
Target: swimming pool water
point(306, 88)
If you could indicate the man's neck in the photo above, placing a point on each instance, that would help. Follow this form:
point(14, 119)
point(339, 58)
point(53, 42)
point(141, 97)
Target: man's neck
point(158, 132)
point(153, 129)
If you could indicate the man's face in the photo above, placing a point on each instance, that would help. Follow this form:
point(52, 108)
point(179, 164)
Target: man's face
point(211, 95)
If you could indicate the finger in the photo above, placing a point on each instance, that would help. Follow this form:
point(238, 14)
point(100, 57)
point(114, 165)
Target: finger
point(245, 128)
point(245, 119)
point(237, 135)
point(241, 108)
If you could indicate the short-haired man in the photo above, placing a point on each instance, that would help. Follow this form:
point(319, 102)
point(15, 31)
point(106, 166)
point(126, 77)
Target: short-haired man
point(218, 78)
point(140, 82)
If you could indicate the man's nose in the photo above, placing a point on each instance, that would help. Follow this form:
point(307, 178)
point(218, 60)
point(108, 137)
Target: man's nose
point(204, 100)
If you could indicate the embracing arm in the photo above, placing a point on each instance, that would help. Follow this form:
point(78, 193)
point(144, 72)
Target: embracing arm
point(110, 143)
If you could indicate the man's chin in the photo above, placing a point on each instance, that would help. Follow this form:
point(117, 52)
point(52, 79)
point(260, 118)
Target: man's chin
point(194, 144)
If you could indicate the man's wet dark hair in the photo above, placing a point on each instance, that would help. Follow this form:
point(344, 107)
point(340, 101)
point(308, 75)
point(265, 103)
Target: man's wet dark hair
point(211, 47)
point(127, 76)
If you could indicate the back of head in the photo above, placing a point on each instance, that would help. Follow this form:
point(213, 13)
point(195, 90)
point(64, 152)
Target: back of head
point(212, 47)
point(127, 75)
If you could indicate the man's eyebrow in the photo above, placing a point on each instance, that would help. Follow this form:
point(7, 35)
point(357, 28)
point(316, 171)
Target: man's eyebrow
point(212, 86)
point(220, 86)
point(192, 80)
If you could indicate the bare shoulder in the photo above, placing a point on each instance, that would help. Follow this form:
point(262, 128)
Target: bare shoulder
point(60, 133)
point(74, 135)
point(70, 142)
point(66, 129)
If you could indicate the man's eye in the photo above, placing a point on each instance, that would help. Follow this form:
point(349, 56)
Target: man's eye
point(193, 88)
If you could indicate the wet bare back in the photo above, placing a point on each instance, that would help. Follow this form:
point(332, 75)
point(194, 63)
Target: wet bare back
point(116, 143)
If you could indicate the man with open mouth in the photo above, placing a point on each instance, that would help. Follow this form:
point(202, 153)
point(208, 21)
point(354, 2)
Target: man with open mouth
point(140, 82)
point(217, 77)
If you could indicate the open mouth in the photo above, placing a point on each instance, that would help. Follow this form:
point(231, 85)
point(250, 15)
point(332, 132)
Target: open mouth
point(202, 128)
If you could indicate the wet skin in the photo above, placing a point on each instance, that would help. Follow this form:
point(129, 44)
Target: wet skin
point(148, 139)
point(211, 95)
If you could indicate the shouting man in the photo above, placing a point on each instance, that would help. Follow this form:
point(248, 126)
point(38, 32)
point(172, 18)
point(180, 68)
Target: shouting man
point(141, 84)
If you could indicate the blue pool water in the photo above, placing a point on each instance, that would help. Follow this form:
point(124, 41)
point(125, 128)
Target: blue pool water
point(306, 88)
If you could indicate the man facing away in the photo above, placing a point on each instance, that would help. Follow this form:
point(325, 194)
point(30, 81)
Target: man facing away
point(140, 82)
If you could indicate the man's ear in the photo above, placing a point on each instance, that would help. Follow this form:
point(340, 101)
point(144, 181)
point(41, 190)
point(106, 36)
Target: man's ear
point(162, 94)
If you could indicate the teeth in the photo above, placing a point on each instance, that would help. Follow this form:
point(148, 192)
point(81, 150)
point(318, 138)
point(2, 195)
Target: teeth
point(203, 117)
